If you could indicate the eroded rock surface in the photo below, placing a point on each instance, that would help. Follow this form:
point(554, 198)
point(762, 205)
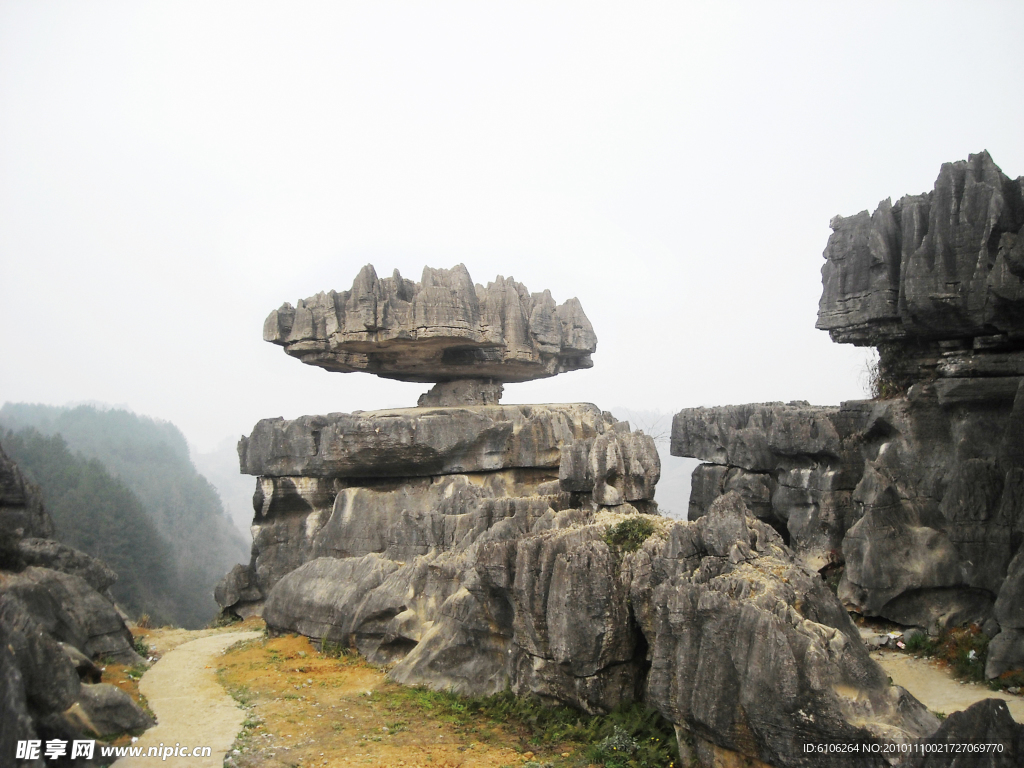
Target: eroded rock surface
point(935, 280)
point(53, 622)
point(440, 329)
point(418, 442)
point(714, 623)
point(918, 496)
point(412, 481)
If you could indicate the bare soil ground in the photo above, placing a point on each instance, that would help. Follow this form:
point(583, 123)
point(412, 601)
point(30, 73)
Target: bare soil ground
point(305, 709)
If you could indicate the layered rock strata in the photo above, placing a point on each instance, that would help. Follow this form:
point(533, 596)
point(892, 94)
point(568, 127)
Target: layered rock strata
point(501, 572)
point(56, 617)
point(443, 328)
point(407, 482)
point(917, 496)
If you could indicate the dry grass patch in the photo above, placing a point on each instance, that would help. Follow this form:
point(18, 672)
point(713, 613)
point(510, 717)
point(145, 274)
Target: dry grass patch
point(308, 709)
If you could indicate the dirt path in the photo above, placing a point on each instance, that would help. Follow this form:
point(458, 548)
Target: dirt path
point(936, 688)
point(191, 707)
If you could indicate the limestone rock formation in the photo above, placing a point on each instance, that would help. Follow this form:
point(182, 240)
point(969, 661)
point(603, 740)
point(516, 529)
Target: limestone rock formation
point(417, 442)
point(935, 279)
point(53, 621)
point(405, 482)
point(714, 623)
point(440, 329)
point(987, 726)
point(472, 546)
point(918, 496)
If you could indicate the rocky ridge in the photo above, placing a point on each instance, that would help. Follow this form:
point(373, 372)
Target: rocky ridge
point(917, 495)
point(56, 619)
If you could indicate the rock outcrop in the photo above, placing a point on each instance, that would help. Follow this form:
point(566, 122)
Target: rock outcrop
point(713, 623)
point(55, 617)
point(918, 495)
point(408, 482)
point(418, 442)
point(934, 281)
point(478, 547)
point(443, 328)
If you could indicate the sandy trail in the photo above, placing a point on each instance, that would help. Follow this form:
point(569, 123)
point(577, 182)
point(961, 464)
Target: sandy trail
point(937, 689)
point(191, 707)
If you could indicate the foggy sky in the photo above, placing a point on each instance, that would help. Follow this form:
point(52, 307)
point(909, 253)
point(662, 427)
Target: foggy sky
point(171, 172)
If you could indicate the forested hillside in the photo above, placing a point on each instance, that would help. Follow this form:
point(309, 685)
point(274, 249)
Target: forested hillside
point(98, 514)
point(151, 458)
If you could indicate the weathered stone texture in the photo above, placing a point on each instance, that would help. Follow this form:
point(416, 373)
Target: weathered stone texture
point(615, 467)
point(53, 621)
point(410, 482)
point(439, 329)
point(713, 622)
point(941, 265)
point(418, 442)
point(986, 724)
point(917, 496)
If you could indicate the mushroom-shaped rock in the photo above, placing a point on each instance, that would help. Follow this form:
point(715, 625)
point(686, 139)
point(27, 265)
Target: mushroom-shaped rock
point(444, 328)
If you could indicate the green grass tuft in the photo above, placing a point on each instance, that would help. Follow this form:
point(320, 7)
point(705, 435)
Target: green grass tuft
point(630, 534)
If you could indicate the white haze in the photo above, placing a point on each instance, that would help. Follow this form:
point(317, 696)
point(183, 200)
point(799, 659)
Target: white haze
point(171, 172)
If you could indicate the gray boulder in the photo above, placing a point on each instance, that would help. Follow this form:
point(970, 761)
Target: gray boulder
point(399, 520)
point(71, 611)
point(986, 724)
point(47, 676)
point(15, 721)
point(21, 513)
point(795, 466)
point(462, 392)
point(615, 467)
point(47, 553)
point(1006, 651)
point(916, 496)
point(440, 329)
point(104, 709)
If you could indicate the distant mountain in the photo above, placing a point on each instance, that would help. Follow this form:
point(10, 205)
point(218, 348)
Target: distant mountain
point(220, 467)
point(152, 459)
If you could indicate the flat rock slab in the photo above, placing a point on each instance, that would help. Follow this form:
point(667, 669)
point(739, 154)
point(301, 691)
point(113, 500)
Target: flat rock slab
point(191, 707)
point(417, 442)
point(937, 689)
